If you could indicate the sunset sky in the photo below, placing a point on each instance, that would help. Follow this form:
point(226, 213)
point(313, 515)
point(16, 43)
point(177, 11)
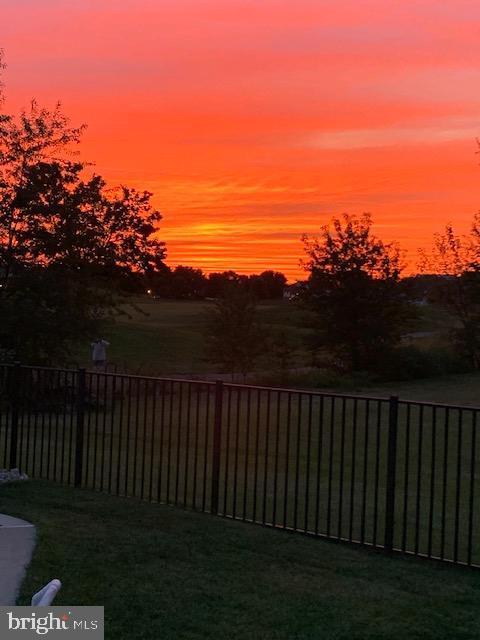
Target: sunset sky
point(254, 121)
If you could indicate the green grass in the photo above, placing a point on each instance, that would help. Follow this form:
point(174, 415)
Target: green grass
point(432, 318)
point(463, 389)
point(166, 573)
point(156, 337)
point(456, 389)
point(168, 336)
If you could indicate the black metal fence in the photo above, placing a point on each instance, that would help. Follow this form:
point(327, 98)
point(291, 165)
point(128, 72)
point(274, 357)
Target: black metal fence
point(382, 472)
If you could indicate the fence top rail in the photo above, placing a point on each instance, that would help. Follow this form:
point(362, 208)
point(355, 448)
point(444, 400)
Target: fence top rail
point(440, 405)
point(350, 396)
point(233, 385)
point(113, 374)
point(13, 365)
point(110, 374)
point(308, 392)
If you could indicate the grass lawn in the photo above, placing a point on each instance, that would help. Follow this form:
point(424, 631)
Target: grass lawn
point(166, 573)
point(167, 336)
point(156, 337)
point(460, 389)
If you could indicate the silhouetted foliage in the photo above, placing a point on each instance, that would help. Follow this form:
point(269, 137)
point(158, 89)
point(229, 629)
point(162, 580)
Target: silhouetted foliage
point(354, 288)
point(222, 284)
point(68, 245)
point(263, 286)
point(267, 285)
point(181, 283)
point(184, 282)
point(408, 362)
point(234, 338)
point(282, 349)
point(457, 261)
point(188, 282)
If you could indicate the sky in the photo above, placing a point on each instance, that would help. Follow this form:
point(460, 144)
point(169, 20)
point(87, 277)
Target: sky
point(256, 121)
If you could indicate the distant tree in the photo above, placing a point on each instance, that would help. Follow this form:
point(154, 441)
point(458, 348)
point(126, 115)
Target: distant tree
point(282, 349)
point(68, 245)
point(221, 284)
point(184, 282)
point(179, 283)
point(234, 338)
point(188, 282)
point(354, 289)
point(267, 285)
point(263, 286)
point(156, 282)
point(455, 260)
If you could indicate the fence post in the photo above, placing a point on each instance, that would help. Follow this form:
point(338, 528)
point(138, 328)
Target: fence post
point(14, 393)
point(391, 472)
point(81, 386)
point(217, 444)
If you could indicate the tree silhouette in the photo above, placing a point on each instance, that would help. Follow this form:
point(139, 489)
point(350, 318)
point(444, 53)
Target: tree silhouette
point(68, 245)
point(354, 289)
point(187, 283)
point(223, 283)
point(456, 259)
point(234, 337)
point(267, 285)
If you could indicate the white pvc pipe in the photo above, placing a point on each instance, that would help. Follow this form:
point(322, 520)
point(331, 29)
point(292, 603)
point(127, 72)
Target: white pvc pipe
point(46, 596)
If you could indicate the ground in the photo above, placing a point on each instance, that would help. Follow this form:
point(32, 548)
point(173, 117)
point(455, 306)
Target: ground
point(166, 573)
point(166, 337)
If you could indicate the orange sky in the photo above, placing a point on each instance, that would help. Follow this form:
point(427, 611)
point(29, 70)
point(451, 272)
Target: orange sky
point(254, 121)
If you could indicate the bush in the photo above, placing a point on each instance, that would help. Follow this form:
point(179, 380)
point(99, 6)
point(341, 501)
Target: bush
point(314, 379)
point(410, 363)
point(403, 363)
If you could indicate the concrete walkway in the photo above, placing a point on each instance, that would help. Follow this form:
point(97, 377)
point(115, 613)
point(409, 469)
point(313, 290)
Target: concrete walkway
point(17, 541)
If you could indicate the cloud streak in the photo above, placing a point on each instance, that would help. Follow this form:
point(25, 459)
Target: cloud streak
point(426, 134)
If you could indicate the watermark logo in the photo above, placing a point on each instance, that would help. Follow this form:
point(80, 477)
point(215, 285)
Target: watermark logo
point(54, 622)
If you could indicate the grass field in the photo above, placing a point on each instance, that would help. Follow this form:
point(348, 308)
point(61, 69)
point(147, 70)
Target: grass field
point(455, 389)
point(167, 336)
point(167, 573)
point(162, 337)
point(159, 337)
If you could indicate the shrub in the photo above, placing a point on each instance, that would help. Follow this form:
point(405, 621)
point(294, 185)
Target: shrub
point(410, 363)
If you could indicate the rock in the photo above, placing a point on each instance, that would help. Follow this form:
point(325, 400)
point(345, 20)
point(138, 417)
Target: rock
point(12, 475)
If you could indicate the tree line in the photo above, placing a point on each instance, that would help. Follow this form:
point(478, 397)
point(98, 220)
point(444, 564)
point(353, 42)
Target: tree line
point(189, 283)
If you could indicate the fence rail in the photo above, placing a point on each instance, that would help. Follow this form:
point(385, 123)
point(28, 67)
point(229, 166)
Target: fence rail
point(392, 474)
